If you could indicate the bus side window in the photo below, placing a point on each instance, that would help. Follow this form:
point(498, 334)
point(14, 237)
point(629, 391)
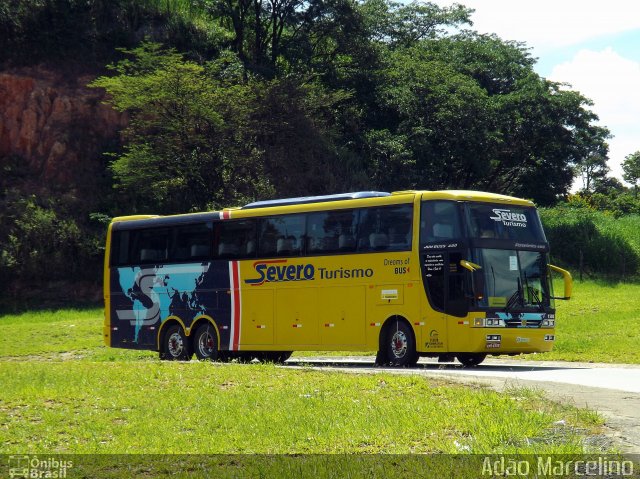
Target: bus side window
point(150, 246)
point(281, 235)
point(386, 228)
point(120, 248)
point(331, 232)
point(235, 239)
point(439, 221)
point(191, 242)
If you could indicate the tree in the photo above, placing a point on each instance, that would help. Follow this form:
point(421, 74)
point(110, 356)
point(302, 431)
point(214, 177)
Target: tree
point(271, 36)
point(593, 154)
point(400, 24)
point(186, 145)
point(470, 112)
point(631, 170)
point(439, 116)
point(207, 136)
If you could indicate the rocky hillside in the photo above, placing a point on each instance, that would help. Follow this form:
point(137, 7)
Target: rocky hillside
point(58, 126)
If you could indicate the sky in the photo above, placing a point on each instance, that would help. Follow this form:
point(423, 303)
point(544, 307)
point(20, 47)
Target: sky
point(592, 45)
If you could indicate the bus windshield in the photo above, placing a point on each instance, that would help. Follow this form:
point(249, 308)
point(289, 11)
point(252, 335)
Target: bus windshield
point(510, 222)
point(515, 280)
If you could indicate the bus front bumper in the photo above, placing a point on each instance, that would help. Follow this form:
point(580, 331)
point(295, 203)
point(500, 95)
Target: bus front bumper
point(510, 340)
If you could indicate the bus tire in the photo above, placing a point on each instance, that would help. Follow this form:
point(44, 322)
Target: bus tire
point(398, 347)
point(175, 345)
point(471, 360)
point(205, 343)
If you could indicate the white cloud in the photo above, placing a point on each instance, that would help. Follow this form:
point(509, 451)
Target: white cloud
point(613, 83)
point(547, 24)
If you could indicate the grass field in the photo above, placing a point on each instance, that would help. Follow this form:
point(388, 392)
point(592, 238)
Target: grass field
point(601, 323)
point(64, 392)
point(81, 406)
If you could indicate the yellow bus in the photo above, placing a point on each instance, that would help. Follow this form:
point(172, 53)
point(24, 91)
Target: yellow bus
point(446, 274)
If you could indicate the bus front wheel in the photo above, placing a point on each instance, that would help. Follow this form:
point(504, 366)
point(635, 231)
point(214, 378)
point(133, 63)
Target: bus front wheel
point(470, 360)
point(175, 345)
point(398, 347)
point(205, 343)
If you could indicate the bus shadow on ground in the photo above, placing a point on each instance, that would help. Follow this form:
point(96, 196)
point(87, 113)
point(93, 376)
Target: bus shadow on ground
point(360, 364)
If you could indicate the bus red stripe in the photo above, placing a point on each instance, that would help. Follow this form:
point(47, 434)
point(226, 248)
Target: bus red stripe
point(236, 304)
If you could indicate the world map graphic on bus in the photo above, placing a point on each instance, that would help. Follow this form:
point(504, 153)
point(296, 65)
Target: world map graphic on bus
point(158, 292)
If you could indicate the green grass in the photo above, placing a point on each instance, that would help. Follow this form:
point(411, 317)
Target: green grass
point(64, 392)
point(599, 324)
point(62, 334)
point(610, 246)
point(157, 407)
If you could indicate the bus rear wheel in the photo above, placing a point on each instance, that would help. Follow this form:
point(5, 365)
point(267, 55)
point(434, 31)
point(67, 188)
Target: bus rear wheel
point(205, 343)
point(470, 360)
point(398, 347)
point(175, 345)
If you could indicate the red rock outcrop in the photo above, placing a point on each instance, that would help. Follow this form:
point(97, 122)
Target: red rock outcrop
point(56, 125)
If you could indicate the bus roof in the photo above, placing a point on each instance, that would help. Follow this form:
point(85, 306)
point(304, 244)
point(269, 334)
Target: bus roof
point(313, 203)
point(316, 199)
point(470, 195)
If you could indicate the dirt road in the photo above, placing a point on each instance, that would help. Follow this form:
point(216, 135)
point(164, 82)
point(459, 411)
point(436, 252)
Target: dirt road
point(612, 390)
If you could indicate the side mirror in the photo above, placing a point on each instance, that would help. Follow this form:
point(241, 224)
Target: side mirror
point(477, 278)
point(568, 281)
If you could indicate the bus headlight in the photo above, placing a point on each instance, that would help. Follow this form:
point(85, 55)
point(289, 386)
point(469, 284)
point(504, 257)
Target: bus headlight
point(548, 323)
point(495, 323)
point(488, 323)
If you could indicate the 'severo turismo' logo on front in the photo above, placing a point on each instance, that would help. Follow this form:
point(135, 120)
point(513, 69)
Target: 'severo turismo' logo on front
point(509, 218)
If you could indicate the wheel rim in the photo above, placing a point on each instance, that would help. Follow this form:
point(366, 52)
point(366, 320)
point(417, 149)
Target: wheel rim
point(205, 344)
point(175, 345)
point(399, 344)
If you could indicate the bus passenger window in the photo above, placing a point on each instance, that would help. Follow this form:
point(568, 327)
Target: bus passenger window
point(235, 239)
point(281, 235)
point(386, 228)
point(331, 232)
point(120, 248)
point(150, 246)
point(191, 242)
point(439, 221)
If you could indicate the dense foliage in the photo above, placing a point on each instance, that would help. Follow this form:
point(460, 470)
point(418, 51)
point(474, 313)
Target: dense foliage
point(89, 31)
point(236, 100)
point(592, 242)
point(314, 97)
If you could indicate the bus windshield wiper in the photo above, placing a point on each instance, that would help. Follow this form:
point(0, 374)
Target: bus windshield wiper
point(531, 291)
point(515, 299)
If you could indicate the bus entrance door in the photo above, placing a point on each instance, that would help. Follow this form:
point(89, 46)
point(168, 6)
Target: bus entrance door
point(445, 297)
